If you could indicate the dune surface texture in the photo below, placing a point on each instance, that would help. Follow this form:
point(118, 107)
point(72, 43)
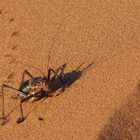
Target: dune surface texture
point(98, 44)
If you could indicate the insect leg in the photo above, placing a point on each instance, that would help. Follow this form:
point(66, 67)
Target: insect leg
point(22, 80)
point(49, 74)
point(14, 90)
point(61, 70)
point(20, 119)
point(23, 76)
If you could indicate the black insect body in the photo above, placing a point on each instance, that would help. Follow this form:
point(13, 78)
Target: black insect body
point(35, 86)
point(32, 89)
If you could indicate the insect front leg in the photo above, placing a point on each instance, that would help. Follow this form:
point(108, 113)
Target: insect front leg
point(25, 72)
point(23, 76)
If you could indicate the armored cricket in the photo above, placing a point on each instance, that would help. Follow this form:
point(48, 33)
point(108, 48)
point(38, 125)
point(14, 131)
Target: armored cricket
point(34, 87)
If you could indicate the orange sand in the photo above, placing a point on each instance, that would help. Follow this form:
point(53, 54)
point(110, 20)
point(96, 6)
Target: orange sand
point(104, 102)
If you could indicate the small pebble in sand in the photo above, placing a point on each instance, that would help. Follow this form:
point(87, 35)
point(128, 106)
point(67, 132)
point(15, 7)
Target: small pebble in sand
point(40, 119)
point(14, 47)
point(14, 33)
point(12, 19)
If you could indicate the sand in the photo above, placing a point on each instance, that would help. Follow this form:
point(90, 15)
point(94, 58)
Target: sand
point(102, 102)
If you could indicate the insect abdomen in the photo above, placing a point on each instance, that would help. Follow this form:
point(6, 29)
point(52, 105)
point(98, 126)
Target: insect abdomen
point(24, 87)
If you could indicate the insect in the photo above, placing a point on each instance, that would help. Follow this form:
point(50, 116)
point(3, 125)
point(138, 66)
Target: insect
point(35, 87)
point(32, 89)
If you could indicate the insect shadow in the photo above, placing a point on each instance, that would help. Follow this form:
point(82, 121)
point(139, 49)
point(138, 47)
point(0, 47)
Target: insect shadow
point(70, 78)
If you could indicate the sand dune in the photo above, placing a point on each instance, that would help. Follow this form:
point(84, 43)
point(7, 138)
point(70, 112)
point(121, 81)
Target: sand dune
point(100, 102)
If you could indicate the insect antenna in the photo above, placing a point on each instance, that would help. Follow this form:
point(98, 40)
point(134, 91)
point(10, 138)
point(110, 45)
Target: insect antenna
point(34, 68)
point(38, 70)
point(54, 39)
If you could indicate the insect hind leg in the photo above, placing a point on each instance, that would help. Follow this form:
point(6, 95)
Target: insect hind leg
point(17, 92)
point(55, 73)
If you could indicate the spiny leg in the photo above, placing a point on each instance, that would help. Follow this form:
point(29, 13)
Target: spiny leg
point(61, 70)
point(21, 94)
point(23, 76)
point(49, 74)
point(20, 119)
point(64, 82)
point(22, 80)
